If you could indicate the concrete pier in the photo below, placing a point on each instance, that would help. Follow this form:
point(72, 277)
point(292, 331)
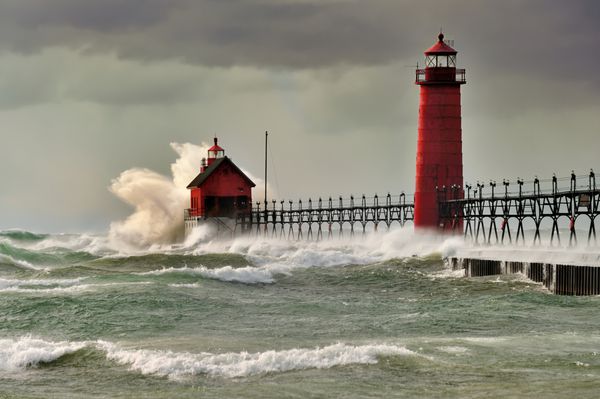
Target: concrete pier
point(561, 279)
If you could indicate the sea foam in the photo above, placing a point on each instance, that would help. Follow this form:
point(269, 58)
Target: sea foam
point(176, 365)
point(54, 286)
point(30, 352)
point(18, 354)
point(16, 283)
point(247, 275)
point(284, 257)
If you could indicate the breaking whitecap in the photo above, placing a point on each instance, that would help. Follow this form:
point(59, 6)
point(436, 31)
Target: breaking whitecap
point(30, 352)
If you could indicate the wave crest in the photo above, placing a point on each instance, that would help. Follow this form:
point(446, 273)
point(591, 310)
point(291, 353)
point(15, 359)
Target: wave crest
point(30, 352)
point(22, 235)
point(231, 365)
point(57, 286)
point(247, 275)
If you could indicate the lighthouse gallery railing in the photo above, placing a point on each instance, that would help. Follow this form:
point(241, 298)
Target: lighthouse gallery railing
point(458, 75)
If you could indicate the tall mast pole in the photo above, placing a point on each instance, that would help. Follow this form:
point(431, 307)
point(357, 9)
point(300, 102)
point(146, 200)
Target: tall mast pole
point(266, 144)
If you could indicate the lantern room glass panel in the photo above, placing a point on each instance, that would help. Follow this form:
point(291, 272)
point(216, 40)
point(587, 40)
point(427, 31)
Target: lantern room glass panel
point(452, 61)
point(440, 61)
point(216, 154)
point(430, 61)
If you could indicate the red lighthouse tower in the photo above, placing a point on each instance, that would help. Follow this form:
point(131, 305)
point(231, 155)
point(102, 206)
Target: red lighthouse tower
point(439, 145)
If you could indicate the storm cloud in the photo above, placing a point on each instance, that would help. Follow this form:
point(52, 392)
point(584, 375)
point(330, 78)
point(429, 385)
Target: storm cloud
point(305, 33)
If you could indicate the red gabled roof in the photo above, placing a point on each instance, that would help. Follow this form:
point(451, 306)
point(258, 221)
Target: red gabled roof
point(440, 47)
point(201, 178)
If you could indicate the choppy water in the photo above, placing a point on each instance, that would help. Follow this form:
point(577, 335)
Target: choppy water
point(365, 318)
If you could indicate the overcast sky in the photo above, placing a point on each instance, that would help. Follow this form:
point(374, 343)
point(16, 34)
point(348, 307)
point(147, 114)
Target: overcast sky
point(91, 88)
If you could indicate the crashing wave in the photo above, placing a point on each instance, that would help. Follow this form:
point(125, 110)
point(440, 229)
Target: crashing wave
point(30, 352)
point(247, 275)
point(17, 354)
point(241, 364)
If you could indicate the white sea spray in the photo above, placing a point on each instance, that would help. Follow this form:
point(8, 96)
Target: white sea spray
point(241, 364)
point(158, 201)
point(286, 254)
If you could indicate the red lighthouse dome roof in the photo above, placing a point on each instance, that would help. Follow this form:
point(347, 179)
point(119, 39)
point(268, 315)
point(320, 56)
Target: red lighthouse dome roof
point(440, 47)
point(215, 147)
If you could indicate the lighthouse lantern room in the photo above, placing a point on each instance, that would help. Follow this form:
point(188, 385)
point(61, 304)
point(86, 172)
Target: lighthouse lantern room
point(215, 152)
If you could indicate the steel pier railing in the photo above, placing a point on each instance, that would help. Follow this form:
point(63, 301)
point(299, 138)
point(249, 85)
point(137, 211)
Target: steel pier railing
point(315, 220)
point(535, 212)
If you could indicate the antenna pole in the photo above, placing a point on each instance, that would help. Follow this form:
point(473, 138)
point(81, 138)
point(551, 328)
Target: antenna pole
point(266, 144)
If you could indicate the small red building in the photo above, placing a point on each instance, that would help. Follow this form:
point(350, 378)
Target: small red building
point(221, 189)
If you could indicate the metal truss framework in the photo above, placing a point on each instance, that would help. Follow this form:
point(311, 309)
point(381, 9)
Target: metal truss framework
point(491, 219)
point(519, 217)
point(325, 219)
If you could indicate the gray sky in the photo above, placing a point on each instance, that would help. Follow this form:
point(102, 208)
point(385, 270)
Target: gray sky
point(91, 88)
